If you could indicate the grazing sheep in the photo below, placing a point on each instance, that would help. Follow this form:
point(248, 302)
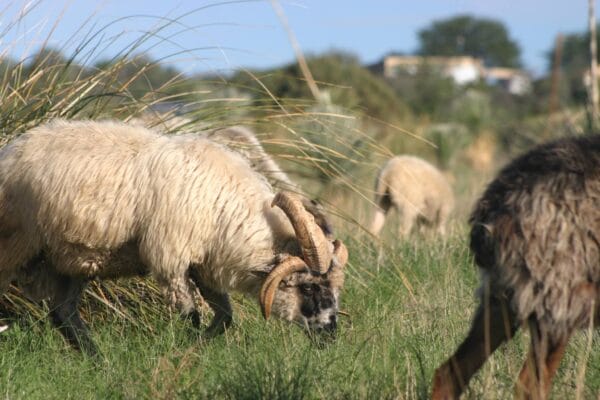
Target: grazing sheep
point(242, 140)
point(85, 200)
point(245, 142)
point(535, 235)
point(417, 190)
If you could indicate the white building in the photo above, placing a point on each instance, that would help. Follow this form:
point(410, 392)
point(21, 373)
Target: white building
point(461, 69)
point(515, 81)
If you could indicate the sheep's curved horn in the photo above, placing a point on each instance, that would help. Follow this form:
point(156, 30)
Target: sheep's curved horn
point(269, 286)
point(315, 247)
point(340, 253)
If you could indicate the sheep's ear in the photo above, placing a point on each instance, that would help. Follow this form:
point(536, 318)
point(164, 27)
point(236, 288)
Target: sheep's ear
point(340, 258)
point(340, 253)
point(261, 274)
point(321, 219)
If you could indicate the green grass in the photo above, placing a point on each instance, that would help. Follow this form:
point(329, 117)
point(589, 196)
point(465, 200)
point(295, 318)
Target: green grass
point(408, 306)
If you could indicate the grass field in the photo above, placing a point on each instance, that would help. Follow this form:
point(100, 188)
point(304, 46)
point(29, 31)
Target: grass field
point(408, 306)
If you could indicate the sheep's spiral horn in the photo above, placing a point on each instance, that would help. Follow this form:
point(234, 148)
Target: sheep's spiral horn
point(270, 285)
point(315, 247)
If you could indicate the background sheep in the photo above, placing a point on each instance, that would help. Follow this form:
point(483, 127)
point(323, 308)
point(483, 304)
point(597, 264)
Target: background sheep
point(417, 190)
point(535, 235)
point(84, 200)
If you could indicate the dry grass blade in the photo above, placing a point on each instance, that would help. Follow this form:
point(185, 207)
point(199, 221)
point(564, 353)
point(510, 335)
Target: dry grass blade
point(297, 50)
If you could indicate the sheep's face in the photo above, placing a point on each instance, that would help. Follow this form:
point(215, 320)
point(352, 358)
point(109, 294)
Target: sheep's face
point(304, 286)
point(309, 300)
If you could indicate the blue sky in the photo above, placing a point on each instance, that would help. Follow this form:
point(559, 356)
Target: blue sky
point(224, 35)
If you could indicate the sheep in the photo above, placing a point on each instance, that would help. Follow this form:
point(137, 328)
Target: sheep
point(239, 138)
point(245, 142)
point(535, 236)
point(242, 140)
point(417, 190)
point(82, 200)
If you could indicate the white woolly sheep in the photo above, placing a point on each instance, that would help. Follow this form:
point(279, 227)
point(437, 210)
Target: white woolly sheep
point(245, 142)
point(85, 200)
point(417, 190)
point(535, 235)
point(242, 140)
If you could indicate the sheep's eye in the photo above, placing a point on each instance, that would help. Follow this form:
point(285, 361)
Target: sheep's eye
point(306, 289)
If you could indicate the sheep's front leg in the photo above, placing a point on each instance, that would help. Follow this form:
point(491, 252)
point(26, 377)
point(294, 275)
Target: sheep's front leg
point(219, 303)
point(383, 205)
point(378, 221)
point(65, 314)
point(179, 291)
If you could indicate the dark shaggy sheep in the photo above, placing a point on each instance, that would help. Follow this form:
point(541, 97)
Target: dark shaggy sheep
point(535, 235)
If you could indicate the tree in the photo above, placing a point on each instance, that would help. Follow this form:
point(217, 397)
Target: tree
point(340, 74)
point(465, 35)
point(426, 92)
point(574, 63)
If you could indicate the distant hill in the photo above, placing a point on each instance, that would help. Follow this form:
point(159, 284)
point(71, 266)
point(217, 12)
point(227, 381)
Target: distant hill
point(340, 75)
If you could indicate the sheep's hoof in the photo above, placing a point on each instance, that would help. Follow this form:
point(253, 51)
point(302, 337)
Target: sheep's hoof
point(218, 326)
point(91, 350)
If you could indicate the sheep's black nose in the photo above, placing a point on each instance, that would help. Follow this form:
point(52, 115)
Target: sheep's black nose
point(327, 333)
point(332, 325)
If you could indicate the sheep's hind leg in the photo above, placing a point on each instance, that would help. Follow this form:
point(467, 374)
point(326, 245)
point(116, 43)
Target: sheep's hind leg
point(219, 303)
point(493, 325)
point(408, 216)
point(65, 314)
point(15, 250)
point(535, 379)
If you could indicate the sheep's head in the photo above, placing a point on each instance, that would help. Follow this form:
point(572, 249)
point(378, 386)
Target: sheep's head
point(305, 289)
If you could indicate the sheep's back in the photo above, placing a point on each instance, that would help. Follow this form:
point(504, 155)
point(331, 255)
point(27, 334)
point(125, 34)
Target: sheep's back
point(536, 232)
point(67, 179)
point(411, 180)
point(244, 141)
point(102, 184)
